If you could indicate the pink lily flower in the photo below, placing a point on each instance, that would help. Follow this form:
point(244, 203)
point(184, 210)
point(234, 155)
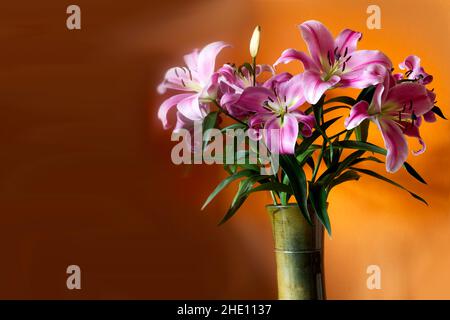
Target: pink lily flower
point(396, 109)
point(276, 108)
point(335, 62)
point(199, 82)
point(233, 82)
point(415, 71)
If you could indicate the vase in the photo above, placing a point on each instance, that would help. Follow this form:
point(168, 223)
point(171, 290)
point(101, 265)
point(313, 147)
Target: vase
point(298, 253)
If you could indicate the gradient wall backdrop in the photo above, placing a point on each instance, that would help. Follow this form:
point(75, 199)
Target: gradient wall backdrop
point(86, 176)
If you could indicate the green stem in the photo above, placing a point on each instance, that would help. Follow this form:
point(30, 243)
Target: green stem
point(275, 203)
point(254, 71)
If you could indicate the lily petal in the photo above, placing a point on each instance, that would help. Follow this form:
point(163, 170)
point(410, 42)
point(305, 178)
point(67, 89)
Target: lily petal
point(191, 60)
point(319, 40)
point(358, 114)
point(347, 41)
point(252, 98)
point(279, 78)
point(190, 107)
point(429, 116)
point(365, 77)
point(411, 95)
point(413, 131)
point(395, 142)
point(292, 92)
point(259, 119)
point(175, 78)
point(168, 104)
point(289, 55)
point(308, 122)
point(207, 60)
point(412, 64)
point(361, 59)
point(314, 86)
point(228, 101)
point(284, 139)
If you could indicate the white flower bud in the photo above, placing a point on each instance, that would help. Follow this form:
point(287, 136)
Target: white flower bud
point(254, 42)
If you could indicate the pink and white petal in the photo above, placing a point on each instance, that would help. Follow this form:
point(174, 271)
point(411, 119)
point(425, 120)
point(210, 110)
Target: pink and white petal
point(347, 40)
point(358, 114)
point(314, 86)
point(281, 136)
point(229, 98)
point(395, 143)
point(228, 73)
point(173, 79)
point(207, 60)
point(228, 102)
point(292, 92)
point(397, 76)
point(260, 68)
point(412, 62)
point(361, 59)
point(429, 116)
point(413, 131)
point(169, 104)
point(190, 107)
point(191, 60)
point(259, 119)
point(319, 40)
point(308, 122)
point(289, 55)
point(253, 98)
point(403, 94)
point(275, 80)
point(363, 78)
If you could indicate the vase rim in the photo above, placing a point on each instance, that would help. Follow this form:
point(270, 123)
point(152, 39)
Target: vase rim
point(281, 205)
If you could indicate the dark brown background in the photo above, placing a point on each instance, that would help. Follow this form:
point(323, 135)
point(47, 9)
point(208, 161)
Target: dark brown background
point(86, 176)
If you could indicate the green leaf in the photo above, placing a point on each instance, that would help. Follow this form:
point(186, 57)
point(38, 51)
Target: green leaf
point(413, 172)
point(208, 123)
point(344, 99)
point(318, 200)
point(362, 131)
point(348, 134)
point(361, 145)
point(304, 145)
point(302, 157)
point(224, 183)
point(241, 195)
point(439, 112)
point(366, 94)
point(359, 160)
point(378, 176)
point(284, 198)
point(297, 179)
point(234, 208)
point(325, 111)
point(349, 175)
point(333, 172)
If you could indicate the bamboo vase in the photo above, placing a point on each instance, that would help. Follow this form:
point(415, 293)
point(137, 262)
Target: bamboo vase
point(298, 253)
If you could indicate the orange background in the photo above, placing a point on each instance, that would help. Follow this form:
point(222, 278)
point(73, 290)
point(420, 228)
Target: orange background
point(86, 176)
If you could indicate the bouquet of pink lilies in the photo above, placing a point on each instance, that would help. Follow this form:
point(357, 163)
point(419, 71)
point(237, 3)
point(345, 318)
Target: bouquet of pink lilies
point(284, 117)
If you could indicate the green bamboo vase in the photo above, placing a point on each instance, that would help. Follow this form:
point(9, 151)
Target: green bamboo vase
point(298, 253)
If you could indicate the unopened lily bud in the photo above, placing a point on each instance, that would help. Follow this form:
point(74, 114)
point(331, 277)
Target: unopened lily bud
point(254, 42)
